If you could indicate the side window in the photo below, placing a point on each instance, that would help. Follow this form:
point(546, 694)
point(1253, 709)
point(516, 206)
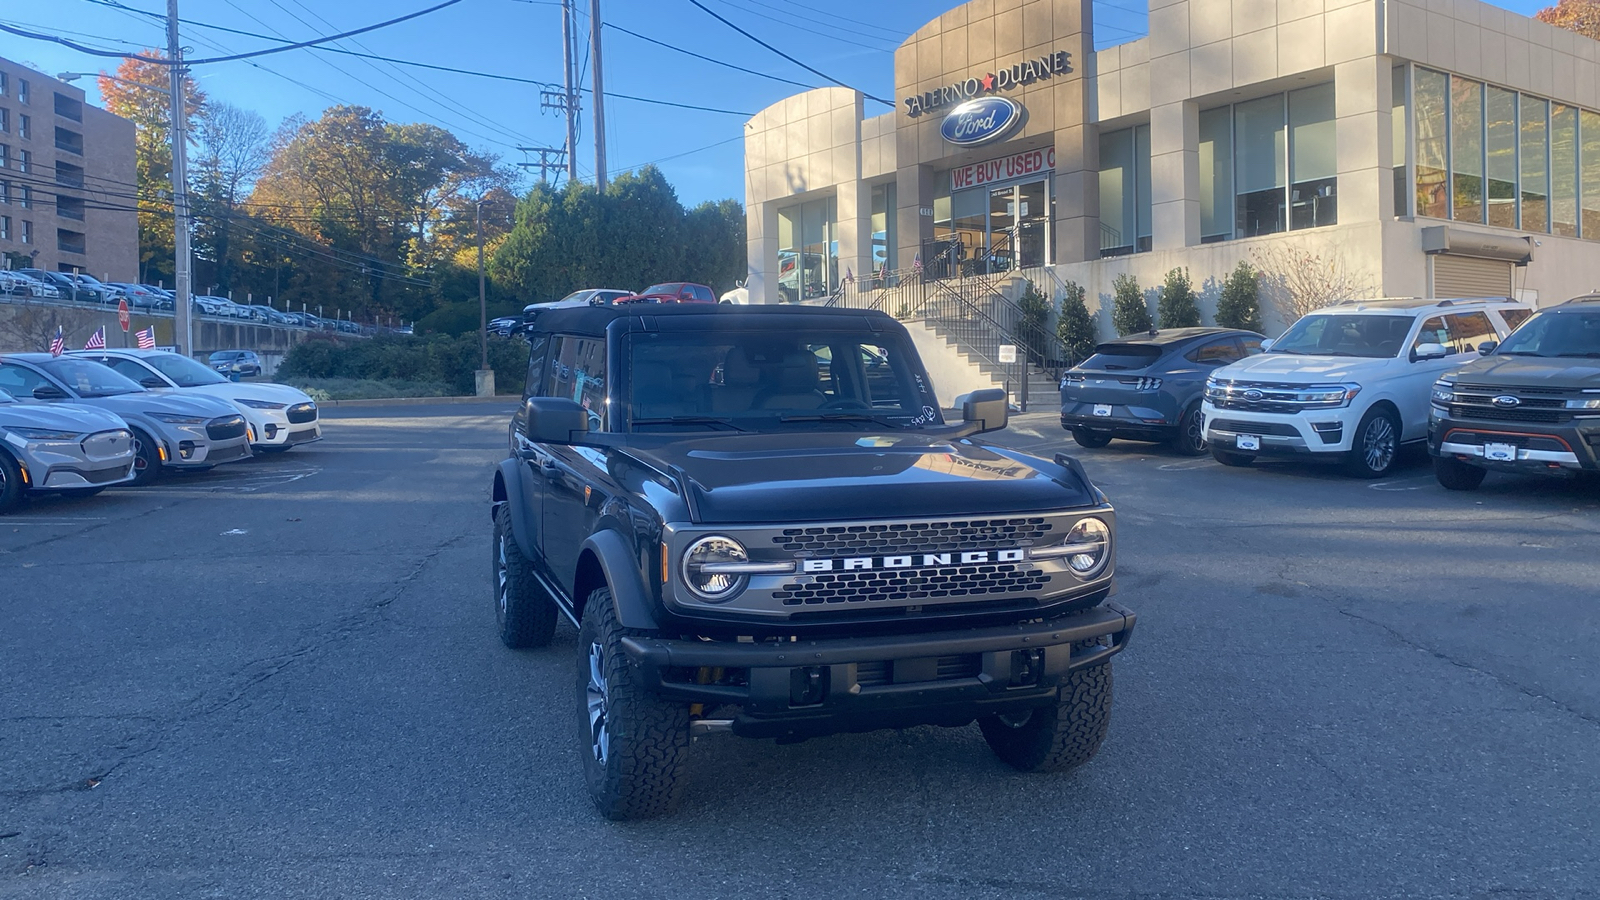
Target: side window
point(1215, 353)
point(1468, 330)
point(703, 294)
point(1432, 332)
point(128, 368)
point(537, 345)
point(577, 371)
point(1250, 345)
point(20, 382)
point(1515, 317)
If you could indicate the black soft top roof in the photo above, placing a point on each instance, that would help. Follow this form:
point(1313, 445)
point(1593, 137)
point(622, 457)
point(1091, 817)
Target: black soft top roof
point(594, 320)
point(1167, 337)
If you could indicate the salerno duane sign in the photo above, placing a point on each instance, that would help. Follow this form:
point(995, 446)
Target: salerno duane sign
point(1025, 72)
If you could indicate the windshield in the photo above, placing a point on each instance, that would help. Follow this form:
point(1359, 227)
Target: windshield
point(756, 381)
point(671, 288)
point(1556, 334)
point(86, 279)
point(6, 398)
point(88, 378)
point(1373, 337)
point(1115, 357)
point(224, 356)
point(183, 371)
point(576, 296)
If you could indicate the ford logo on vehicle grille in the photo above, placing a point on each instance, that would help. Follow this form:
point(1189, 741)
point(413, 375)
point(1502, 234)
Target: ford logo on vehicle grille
point(981, 121)
point(1253, 394)
point(1506, 401)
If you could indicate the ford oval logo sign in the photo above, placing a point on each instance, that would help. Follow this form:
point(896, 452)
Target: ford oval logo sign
point(1506, 401)
point(981, 121)
point(1253, 394)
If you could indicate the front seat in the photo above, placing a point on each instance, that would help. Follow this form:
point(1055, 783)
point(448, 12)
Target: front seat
point(792, 384)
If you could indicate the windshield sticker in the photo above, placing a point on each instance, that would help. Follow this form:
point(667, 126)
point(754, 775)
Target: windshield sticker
point(927, 418)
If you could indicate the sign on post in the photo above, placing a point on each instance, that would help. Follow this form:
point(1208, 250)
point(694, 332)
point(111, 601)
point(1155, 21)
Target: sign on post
point(123, 318)
point(1008, 353)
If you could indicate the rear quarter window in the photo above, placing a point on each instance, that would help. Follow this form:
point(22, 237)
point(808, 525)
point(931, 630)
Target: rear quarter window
point(1116, 357)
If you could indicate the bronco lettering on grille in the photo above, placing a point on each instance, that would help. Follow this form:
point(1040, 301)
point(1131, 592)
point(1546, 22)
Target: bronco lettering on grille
point(928, 560)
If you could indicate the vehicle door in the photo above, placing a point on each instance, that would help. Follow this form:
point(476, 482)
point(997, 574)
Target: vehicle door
point(1184, 381)
point(1416, 381)
point(574, 479)
point(20, 381)
point(530, 456)
point(137, 371)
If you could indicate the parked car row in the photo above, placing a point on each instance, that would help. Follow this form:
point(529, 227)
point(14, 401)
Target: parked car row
point(90, 419)
point(666, 292)
point(1486, 383)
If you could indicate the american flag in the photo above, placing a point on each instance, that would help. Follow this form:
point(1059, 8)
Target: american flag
point(97, 341)
point(57, 343)
point(147, 338)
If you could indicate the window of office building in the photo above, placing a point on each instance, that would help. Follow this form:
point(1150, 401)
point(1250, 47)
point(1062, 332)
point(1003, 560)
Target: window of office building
point(1260, 166)
point(71, 241)
point(1268, 165)
point(1430, 94)
point(27, 231)
point(25, 161)
point(25, 197)
point(1216, 175)
point(1466, 149)
point(25, 127)
point(808, 251)
point(884, 237)
point(1534, 186)
point(23, 95)
point(1564, 170)
point(5, 192)
point(1500, 155)
point(1589, 153)
point(5, 228)
point(1125, 220)
point(1313, 189)
point(1397, 143)
point(5, 120)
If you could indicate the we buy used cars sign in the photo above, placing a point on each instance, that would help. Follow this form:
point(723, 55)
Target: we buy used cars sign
point(1028, 162)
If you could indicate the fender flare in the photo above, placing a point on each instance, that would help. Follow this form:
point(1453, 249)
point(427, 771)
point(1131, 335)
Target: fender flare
point(628, 592)
point(509, 479)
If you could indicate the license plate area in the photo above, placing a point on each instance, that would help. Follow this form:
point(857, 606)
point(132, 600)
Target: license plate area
point(1500, 452)
point(1248, 442)
point(1102, 409)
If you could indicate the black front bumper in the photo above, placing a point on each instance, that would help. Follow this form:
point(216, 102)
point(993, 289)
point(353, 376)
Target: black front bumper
point(810, 688)
point(1541, 447)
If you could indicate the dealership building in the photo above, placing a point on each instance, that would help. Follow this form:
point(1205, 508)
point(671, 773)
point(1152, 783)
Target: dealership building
point(1415, 147)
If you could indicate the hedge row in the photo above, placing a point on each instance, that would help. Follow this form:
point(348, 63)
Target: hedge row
point(434, 358)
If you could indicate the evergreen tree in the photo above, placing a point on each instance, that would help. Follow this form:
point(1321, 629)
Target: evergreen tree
point(1075, 327)
point(1240, 305)
point(1176, 302)
point(1130, 314)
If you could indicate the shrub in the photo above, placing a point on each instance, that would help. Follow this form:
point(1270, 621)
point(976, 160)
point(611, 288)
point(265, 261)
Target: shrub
point(1035, 308)
point(1075, 327)
point(1129, 314)
point(1240, 303)
point(1176, 303)
point(434, 359)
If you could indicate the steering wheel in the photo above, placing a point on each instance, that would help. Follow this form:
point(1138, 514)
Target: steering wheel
point(845, 403)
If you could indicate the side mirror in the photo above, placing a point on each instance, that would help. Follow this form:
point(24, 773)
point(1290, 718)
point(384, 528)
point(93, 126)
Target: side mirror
point(1267, 345)
point(554, 420)
point(49, 392)
point(1487, 347)
point(985, 409)
point(151, 381)
point(1429, 351)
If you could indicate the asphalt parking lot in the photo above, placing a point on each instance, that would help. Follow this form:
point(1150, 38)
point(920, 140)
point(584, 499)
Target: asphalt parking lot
point(281, 679)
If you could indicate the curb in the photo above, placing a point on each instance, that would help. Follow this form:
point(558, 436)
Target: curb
point(417, 401)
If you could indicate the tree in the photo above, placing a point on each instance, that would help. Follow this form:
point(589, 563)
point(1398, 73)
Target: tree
point(714, 251)
point(1075, 327)
point(233, 150)
point(1240, 306)
point(1176, 301)
point(1582, 16)
point(1130, 314)
point(1299, 281)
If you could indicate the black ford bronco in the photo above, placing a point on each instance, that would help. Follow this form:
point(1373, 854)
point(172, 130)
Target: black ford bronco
point(760, 522)
point(1531, 404)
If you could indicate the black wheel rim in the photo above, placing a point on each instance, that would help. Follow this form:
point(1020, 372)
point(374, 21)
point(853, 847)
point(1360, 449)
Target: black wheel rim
point(596, 696)
point(501, 580)
point(1377, 444)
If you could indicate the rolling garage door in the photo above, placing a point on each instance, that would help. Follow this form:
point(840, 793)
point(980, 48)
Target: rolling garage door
point(1468, 276)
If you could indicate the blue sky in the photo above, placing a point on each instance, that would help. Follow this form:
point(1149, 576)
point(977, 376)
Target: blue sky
point(852, 40)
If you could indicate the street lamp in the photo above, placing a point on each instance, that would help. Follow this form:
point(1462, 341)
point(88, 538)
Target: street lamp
point(181, 225)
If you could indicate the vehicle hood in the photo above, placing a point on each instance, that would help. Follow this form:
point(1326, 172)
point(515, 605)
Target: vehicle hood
point(182, 404)
point(749, 479)
point(1533, 371)
point(1293, 368)
point(60, 416)
point(249, 390)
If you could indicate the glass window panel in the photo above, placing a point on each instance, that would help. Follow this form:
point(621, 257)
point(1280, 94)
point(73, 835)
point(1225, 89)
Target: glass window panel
point(1397, 146)
point(1117, 221)
point(1141, 181)
point(1466, 149)
point(1563, 170)
point(1216, 174)
point(1589, 131)
point(1432, 141)
point(884, 230)
point(1500, 118)
point(1535, 184)
point(830, 232)
point(1260, 164)
point(1313, 192)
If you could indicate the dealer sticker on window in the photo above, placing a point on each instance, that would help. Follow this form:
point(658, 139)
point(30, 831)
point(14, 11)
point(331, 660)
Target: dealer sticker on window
point(1102, 409)
point(1500, 452)
point(1249, 442)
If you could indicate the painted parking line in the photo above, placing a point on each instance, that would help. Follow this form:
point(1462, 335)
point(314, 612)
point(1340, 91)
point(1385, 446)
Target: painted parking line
point(249, 484)
point(89, 520)
point(1190, 465)
point(1415, 483)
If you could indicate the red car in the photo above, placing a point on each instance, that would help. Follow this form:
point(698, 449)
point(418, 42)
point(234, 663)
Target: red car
point(673, 292)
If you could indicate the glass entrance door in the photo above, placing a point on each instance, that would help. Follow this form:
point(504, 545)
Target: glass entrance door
point(1017, 233)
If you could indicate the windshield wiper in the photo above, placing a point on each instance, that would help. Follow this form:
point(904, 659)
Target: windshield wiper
point(691, 420)
point(1517, 353)
point(1286, 350)
point(1589, 355)
point(885, 421)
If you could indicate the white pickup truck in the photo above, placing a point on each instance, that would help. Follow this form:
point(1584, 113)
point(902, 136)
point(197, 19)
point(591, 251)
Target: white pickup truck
point(1350, 382)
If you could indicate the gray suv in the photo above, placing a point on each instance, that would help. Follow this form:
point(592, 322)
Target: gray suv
point(60, 448)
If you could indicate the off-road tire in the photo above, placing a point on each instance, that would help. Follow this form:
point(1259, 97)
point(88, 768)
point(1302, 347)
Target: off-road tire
point(523, 609)
point(1455, 475)
point(1190, 439)
point(1059, 737)
point(147, 459)
point(1366, 460)
point(1230, 458)
point(647, 738)
point(10, 483)
point(1090, 439)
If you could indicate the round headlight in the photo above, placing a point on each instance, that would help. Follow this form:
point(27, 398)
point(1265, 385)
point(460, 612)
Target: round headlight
point(1091, 540)
point(709, 551)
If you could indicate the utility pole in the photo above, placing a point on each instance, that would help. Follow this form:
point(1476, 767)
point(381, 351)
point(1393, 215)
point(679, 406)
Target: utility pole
point(484, 377)
point(569, 84)
point(182, 321)
point(598, 122)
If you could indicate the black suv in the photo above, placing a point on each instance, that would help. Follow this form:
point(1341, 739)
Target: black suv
point(760, 522)
point(1532, 404)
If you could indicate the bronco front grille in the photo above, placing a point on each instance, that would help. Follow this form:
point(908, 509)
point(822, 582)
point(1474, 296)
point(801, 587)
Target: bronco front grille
point(913, 537)
point(900, 586)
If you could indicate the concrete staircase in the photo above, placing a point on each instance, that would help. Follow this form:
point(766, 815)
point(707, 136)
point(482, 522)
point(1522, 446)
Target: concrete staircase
point(955, 370)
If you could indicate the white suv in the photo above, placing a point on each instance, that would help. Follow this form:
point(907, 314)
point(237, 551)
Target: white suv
point(1352, 380)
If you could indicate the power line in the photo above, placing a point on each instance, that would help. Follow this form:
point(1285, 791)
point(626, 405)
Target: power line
point(812, 12)
point(829, 35)
point(684, 153)
point(615, 27)
point(703, 8)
